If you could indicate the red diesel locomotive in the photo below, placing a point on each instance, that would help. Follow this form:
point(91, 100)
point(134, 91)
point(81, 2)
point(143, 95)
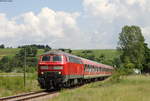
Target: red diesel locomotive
point(59, 69)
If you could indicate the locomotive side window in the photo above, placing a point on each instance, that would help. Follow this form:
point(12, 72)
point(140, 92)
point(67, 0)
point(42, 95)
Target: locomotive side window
point(74, 60)
point(46, 58)
point(57, 58)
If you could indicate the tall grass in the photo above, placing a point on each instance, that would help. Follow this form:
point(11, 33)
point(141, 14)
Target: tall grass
point(130, 88)
point(14, 85)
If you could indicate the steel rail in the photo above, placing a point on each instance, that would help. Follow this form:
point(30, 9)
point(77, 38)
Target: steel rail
point(27, 96)
point(36, 96)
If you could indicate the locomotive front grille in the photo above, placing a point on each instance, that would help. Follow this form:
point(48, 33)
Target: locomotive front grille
point(51, 75)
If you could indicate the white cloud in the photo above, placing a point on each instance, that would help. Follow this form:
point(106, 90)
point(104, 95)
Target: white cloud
point(110, 10)
point(109, 16)
point(44, 27)
point(146, 33)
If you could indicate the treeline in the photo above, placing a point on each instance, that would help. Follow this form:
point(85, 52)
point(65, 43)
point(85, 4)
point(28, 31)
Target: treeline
point(32, 45)
point(25, 56)
point(45, 47)
point(37, 46)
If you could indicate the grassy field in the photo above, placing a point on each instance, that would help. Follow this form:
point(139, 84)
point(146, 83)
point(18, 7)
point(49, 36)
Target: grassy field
point(13, 51)
point(12, 85)
point(8, 52)
point(108, 53)
point(131, 88)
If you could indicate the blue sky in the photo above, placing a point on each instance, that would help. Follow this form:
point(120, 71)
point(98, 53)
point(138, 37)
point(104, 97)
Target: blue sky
point(75, 24)
point(17, 7)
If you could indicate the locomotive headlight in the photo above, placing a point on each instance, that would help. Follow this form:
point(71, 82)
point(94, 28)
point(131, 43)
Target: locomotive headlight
point(42, 72)
point(58, 67)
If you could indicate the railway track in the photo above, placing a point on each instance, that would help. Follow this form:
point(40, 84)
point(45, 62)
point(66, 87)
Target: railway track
point(28, 96)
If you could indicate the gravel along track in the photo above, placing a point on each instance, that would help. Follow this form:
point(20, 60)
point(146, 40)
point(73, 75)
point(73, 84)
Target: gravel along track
point(33, 96)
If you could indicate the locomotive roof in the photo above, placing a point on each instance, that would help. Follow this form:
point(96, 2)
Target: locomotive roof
point(57, 52)
point(85, 61)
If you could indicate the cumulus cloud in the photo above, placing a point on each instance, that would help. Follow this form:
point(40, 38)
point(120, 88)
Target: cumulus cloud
point(108, 17)
point(44, 27)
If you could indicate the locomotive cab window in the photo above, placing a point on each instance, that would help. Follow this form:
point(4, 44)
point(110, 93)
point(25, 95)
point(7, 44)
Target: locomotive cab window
point(57, 58)
point(46, 58)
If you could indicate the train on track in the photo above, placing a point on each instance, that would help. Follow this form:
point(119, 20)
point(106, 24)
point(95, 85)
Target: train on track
point(57, 69)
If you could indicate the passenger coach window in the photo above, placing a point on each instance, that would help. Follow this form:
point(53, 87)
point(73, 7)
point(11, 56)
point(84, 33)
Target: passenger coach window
point(46, 58)
point(57, 58)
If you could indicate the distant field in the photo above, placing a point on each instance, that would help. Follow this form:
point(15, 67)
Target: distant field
point(131, 88)
point(8, 52)
point(109, 53)
point(13, 51)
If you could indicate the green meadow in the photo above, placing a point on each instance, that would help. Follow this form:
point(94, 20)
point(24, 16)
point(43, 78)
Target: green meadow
point(8, 52)
point(10, 84)
point(13, 51)
point(130, 88)
point(110, 54)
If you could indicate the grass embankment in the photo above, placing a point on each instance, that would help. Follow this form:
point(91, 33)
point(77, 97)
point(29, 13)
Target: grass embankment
point(12, 85)
point(131, 88)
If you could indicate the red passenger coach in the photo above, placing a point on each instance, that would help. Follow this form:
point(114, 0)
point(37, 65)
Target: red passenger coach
point(59, 69)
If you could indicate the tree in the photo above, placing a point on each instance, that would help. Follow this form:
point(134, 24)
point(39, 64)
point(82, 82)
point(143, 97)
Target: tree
point(47, 48)
point(65, 50)
point(30, 51)
point(16, 63)
point(5, 64)
point(146, 64)
point(88, 54)
point(131, 45)
point(2, 46)
point(31, 58)
point(101, 58)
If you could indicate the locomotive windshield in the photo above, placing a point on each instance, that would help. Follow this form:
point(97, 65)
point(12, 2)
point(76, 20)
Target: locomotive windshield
point(46, 58)
point(57, 58)
point(52, 58)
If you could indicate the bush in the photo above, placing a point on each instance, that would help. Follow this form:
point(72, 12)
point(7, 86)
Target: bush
point(120, 73)
point(31, 69)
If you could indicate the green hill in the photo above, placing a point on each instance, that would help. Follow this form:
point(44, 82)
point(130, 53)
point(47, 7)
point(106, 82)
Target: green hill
point(13, 51)
point(109, 54)
point(8, 52)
